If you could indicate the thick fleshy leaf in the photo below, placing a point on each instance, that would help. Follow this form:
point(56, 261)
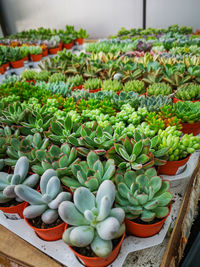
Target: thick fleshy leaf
point(124, 154)
point(102, 248)
point(37, 169)
point(123, 190)
point(142, 180)
point(84, 199)
point(56, 128)
point(137, 148)
point(22, 167)
point(34, 211)
point(161, 212)
point(106, 188)
point(92, 183)
point(68, 123)
point(108, 228)
point(16, 179)
point(128, 145)
point(142, 198)
point(3, 180)
point(154, 141)
point(9, 191)
point(151, 172)
point(45, 178)
point(98, 166)
point(53, 187)
point(164, 188)
point(82, 236)
point(164, 199)
point(70, 214)
point(118, 213)
point(129, 178)
point(136, 166)
point(54, 151)
point(132, 199)
point(137, 136)
point(151, 205)
point(161, 152)
point(62, 196)
point(122, 201)
point(136, 210)
point(118, 178)
point(142, 159)
point(91, 159)
point(89, 216)
point(28, 194)
point(32, 180)
point(3, 199)
point(147, 216)
point(104, 209)
point(40, 155)
point(156, 183)
point(49, 216)
point(70, 182)
point(109, 172)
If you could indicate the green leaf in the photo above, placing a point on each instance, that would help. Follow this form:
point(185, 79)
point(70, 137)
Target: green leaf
point(124, 154)
point(70, 182)
point(63, 161)
point(123, 190)
point(164, 188)
point(73, 140)
point(40, 155)
point(129, 178)
point(142, 198)
point(164, 199)
point(92, 183)
point(37, 169)
point(138, 148)
point(56, 128)
point(161, 152)
point(68, 124)
point(156, 183)
point(91, 159)
point(128, 145)
point(98, 166)
point(65, 148)
point(54, 151)
point(142, 180)
point(142, 159)
point(154, 141)
point(151, 172)
point(147, 216)
point(99, 132)
point(137, 136)
point(132, 199)
point(151, 205)
point(161, 212)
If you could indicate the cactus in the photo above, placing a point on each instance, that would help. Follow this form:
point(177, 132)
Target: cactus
point(94, 222)
point(143, 195)
point(46, 202)
point(27, 146)
point(8, 182)
point(57, 158)
point(137, 153)
point(90, 173)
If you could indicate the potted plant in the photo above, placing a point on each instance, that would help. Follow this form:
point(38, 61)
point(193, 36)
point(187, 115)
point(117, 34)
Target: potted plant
point(15, 57)
point(29, 75)
point(146, 200)
point(9, 201)
point(93, 85)
point(80, 36)
point(75, 81)
point(41, 210)
point(134, 86)
point(57, 77)
point(53, 44)
point(187, 92)
point(112, 85)
point(68, 41)
point(95, 229)
point(1, 68)
point(35, 53)
point(159, 89)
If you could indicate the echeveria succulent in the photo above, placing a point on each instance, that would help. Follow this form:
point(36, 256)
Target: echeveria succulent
point(8, 182)
point(143, 195)
point(94, 222)
point(46, 202)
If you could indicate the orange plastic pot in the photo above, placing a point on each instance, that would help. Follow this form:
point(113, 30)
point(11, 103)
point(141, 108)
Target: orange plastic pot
point(61, 46)
point(31, 81)
point(145, 230)
point(15, 209)
point(45, 52)
point(175, 100)
point(68, 46)
point(51, 234)
point(17, 64)
point(5, 66)
point(25, 59)
point(173, 167)
point(191, 128)
point(118, 93)
point(98, 261)
point(79, 41)
point(77, 87)
point(2, 69)
point(53, 51)
point(35, 58)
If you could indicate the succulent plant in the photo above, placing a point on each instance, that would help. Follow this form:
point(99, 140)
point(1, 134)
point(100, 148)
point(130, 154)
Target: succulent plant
point(57, 77)
point(159, 89)
point(57, 158)
point(155, 103)
point(46, 202)
point(76, 80)
point(8, 182)
point(92, 84)
point(188, 111)
point(90, 173)
point(35, 50)
point(29, 74)
point(190, 91)
point(113, 85)
point(94, 222)
point(137, 153)
point(145, 195)
point(42, 76)
point(134, 86)
point(25, 146)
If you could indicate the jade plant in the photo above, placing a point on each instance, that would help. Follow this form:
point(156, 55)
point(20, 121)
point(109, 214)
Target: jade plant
point(46, 202)
point(134, 86)
point(137, 153)
point(159, 89)
point(8, 182)
point(145, 196)
point(93, 220)
point(57, 158)
point(90, 173)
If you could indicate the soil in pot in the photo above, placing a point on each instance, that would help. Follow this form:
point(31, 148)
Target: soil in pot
point(139, 221)
point(10, 203)
point(38, 223)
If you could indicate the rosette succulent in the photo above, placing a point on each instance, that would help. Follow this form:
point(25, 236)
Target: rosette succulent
point(94, 222)
point(145, 195)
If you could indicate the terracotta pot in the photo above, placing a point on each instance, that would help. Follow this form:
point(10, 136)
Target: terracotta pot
point(191, 128)
point(68, 46)
point(173, 167)
point(45, 52)
point(35, 58)
point(118, 93)
point(145, 230)
point(94, 90)
point(2, 69)
point(15, 209)
point(61, 46)
point(79, 41)
point(31, 81)
point(6, 66)
point(175, 100)
point(98, 261)
point(25, 58)
point(17, 64)
point(53, 51)
point(51, 234)
point(77, 87)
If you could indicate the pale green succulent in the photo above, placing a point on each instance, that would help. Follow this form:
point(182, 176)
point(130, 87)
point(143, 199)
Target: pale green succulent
point(94, 222)
point(143, 195)
point(8, 182)
point(46, 202)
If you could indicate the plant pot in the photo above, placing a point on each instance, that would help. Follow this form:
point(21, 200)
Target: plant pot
point(53, 51)
point(25, 59)
point(175, 100)
point(45, 52)
point(79, 41)
point(36, 58)
point(17, 64)
point(94, 90)
point(61, 46)
point(2, 69)
point(191, 128)
point(6, 66)
point(15, 209)
point(173, 167)
point(68, 46)
point(77, 87)
point(145, 230)
point(31, 81)
point(118, 93)
point(98, 261)
point(51, 234)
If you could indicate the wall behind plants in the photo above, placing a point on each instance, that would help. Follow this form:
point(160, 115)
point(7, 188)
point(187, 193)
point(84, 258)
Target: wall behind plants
point(163, 13)
point(99, 17)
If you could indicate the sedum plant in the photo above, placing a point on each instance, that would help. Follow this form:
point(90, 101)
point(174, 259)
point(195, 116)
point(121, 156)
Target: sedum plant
point(8, 182)
point(145, 196)
point(189, 91)
point(92, 84)
point(57, 158)
point(46, 202)
point(90, 173)
point(111, 85)
point(159, 89)
point(94, 222)
point(134, 86)
point(137, 153)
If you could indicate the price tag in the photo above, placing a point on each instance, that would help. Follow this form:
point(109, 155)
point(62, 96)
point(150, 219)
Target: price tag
point(12, 216)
